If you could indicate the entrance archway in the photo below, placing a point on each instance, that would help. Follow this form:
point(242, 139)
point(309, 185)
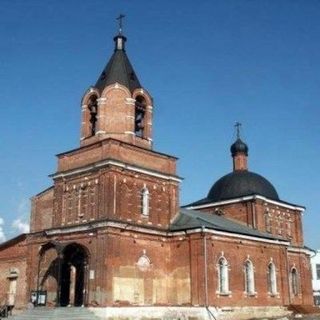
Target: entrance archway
point(73, 275)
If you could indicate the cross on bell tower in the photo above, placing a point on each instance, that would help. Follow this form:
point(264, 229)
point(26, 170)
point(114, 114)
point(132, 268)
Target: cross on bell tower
point(120, 18)
point(117, 106)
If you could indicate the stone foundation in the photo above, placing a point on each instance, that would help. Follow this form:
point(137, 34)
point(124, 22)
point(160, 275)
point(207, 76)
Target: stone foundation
point(189, 313)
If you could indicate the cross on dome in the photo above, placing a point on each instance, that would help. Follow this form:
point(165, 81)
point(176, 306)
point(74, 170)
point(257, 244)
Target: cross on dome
point(238, 127)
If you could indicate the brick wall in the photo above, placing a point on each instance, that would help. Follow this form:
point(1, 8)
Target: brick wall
point(275, 219)
point(117, 150)
point(42, 211)
point(13, 269)
point(236, 252)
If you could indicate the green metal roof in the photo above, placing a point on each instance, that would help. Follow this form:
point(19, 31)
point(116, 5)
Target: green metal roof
point(192, 219)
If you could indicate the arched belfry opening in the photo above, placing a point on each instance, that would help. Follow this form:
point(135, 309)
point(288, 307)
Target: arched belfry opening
point(139, 117)
point(73, 275)
point(93, 114)
point(63, 268)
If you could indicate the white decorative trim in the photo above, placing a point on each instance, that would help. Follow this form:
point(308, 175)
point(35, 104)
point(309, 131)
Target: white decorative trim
point(219, 203)
point(100, 132)
point(130, 101)
point(117, 164)
point(129, 132)
point(274, 295)
point(149, 139)
point(282, 204)
point(251, 294)
point(224, 294)
point(150, 108)
point(301, 250)
point(237, 235)
point(127, 227)
point(84, 107)
point(101, 99)
point(119, 225)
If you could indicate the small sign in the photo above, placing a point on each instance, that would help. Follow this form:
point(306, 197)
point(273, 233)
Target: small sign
point(91, 274)
point(41, 295)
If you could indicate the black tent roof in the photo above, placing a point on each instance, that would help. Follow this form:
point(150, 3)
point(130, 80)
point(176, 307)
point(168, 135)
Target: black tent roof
point(118, 69)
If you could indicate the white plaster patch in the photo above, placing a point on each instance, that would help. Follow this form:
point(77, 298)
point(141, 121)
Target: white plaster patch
point(144, 262)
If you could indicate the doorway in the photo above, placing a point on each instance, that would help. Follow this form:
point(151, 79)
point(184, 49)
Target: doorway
point(72, 279)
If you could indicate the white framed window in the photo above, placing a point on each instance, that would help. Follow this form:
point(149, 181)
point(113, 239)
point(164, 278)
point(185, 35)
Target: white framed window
point(223, 276)
point(272, 279)
point(145, 199)
point(249, 278)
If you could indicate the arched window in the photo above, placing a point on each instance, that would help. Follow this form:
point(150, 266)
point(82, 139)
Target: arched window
point(223, 276)
point(249, 277)
point(294, 281)
point(145, 197)
point(139, 117)
point(272, 279)
point(93, 110)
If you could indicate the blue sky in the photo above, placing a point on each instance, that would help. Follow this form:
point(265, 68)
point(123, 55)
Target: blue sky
point(207, 64)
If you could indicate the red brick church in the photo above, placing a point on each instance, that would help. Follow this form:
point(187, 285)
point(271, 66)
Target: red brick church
point(110, 231)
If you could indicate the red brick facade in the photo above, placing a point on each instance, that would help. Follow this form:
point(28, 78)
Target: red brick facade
point(261, 214)
point(101, 235)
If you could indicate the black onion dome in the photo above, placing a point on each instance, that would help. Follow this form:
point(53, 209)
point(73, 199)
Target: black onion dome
point(241, 183)
point(239, 146)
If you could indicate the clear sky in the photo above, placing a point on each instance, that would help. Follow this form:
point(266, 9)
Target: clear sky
point(207, 64)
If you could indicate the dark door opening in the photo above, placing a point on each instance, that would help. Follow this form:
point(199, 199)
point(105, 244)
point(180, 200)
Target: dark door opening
point(72, 280)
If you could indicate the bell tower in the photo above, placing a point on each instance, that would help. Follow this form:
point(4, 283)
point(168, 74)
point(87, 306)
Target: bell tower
point(117, 106)
point(115, 175)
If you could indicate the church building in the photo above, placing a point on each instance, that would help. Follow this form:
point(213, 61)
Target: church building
point(110, 231)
